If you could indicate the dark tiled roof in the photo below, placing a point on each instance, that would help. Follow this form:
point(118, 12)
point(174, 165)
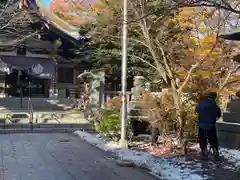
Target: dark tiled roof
point(53, 19)
point(235, 36)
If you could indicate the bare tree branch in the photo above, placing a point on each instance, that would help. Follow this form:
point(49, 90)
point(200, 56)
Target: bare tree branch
point(213, 4)
point(16, 23)
point(148, 63)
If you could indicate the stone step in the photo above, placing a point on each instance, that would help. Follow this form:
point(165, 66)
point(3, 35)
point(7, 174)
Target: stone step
point(233, 117)
point(39, 104)
point(138, 102)
point(73, 92)
point(19, 115)
point(138, 118)
point(43, 130)
point(51, 117)
point(46, 126)
point(39, 108)
point(136, 112)
point(140, 105)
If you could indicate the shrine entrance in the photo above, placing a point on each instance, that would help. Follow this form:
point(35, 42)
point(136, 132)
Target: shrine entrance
point(20, 84)
point(27, 76)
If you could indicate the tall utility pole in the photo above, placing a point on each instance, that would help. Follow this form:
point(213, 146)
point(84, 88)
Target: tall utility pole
point(123, 141)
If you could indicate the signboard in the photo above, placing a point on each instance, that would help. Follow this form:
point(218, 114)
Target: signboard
point(38, 69)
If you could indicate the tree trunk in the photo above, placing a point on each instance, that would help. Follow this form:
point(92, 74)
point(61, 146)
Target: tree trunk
point(178, 106)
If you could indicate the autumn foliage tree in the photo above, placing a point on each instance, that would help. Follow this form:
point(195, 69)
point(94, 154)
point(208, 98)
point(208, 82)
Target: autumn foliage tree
point(176, 40)
point(76, 12)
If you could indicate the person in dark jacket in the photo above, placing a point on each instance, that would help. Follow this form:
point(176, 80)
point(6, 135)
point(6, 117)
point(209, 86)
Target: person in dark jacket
point(208, 113)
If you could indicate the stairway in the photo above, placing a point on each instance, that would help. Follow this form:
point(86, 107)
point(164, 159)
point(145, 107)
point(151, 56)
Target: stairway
point(39, 104)
point(139, 118)
point(48, 116)
point(44, 128)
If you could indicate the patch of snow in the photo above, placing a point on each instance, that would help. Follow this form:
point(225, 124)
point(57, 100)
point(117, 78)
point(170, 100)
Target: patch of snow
point(98, 136)
point(8, 121)
point(233, 156)
point(144, 136)
point(169, 168)
point(195, 146)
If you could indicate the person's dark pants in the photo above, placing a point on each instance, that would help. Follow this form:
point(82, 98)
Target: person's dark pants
point(206, 136)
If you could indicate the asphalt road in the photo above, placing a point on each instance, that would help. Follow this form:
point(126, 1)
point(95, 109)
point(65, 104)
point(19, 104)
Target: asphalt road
point(48, 157)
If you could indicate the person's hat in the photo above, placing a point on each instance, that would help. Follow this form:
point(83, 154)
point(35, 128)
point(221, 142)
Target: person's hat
point(212, 95)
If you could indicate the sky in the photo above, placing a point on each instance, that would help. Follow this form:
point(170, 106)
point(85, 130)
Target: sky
point(46, 2)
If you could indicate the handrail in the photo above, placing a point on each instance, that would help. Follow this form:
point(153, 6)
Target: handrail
point(54, 115)
point(30, 111)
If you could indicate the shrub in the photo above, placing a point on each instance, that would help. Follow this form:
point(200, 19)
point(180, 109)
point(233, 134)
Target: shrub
point(161, 111)
point(110, 123)
point(190, 117)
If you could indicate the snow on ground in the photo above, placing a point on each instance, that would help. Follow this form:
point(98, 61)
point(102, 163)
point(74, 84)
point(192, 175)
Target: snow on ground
point(167, 168)
point(233, 156)
point(173, 169)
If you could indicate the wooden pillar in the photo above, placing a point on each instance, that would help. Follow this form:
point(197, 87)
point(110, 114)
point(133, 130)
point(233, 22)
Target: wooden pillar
point(74, 76)
point(53, 91)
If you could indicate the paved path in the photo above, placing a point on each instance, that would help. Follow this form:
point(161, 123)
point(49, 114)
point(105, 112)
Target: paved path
point(45, 157)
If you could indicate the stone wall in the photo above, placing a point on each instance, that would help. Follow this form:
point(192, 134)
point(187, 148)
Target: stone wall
point(229, 135)
point(229, 128)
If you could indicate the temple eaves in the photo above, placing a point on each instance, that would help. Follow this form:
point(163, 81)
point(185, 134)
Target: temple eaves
point(234, 36)
point(51, 19)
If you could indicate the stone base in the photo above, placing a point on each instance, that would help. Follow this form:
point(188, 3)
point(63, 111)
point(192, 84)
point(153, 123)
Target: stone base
point(123, 143)
point(139, 126)
point(229, 134)
point(232, 117)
